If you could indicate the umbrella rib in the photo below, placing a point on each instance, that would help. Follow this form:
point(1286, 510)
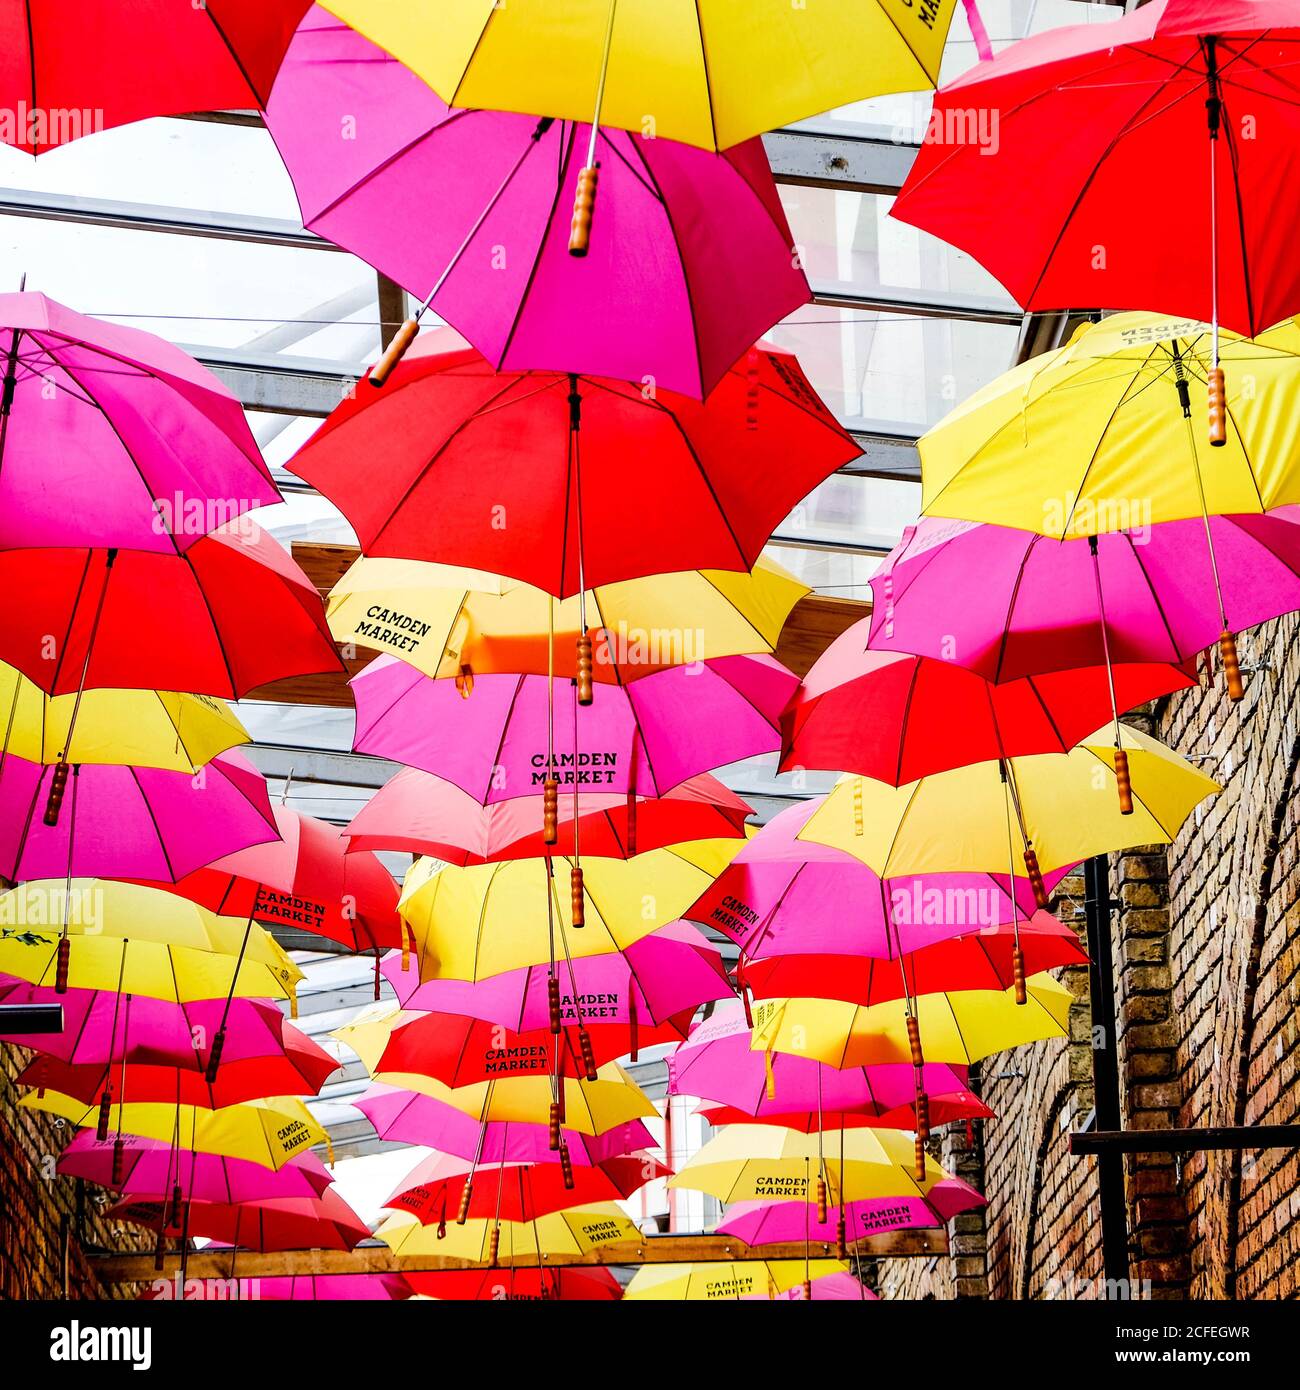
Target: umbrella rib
point(1011, 606)
point(1092, 457)
point(1241, 229)
point(135, 777)
point(216, 633)
point(708, 80)
point(1047, 713)
point(1155, 597)
point(260, 97)
point(31, 57)
point(505, 729)
point(907, 704)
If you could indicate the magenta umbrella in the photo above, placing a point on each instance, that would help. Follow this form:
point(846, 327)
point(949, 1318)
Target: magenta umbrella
point(775, 1223)
point(1008, 603)
point(837, 1288)
point(408, 1117)
point(148, 1167)
point(664, 973)
point(129, 822)
point(644, 738)
point(350, 1288)
point(112, 437)
point(690, 260)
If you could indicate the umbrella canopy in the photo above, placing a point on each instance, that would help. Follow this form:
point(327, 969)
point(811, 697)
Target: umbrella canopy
point(422, 814)
point(693, 262)
point(1015, 604)
point(155, 1167)
point(232, 613)
point(325, 1222)
point(446, 621)
point(143, 728)
point(710, 75)
point(159, 59)
point(473, 923)
point(1094, 436)
point(897, 717)
point(1056, 808)
point(309, 879)
point(1104, 131)
point(135, 940)
point(433, 1189)
point(407, 1117)
point(746, 1163)
point(718, 1063)
point(564, 1284)
point(958, 1028)
point(723, 1280)
point(775, 1223)
point(141, 822)
point(577, 1231)
point(644, 738)
point(112, 437)
point(312, 1288)
point(270, 1133)
point(645, 986)
point(829, 1288)
point(485, 468)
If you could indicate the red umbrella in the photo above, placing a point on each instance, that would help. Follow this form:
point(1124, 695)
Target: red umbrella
point(106, 65)
point(462, 1051)
point(433, 1189)
point(898, 718)
point(422, 814)
point(943, 1110)
point(508, 1285)
point(232, 613)
point(566, 481)
point(1144, 164)
point(285, 1223)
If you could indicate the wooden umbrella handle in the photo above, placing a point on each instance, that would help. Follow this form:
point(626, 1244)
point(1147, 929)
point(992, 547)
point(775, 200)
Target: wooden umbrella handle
point(566, 1166)
point(841, 1235)
point(214, 1057)
point(554, 1127)
point(119, 1155)
point(577, 903)
point(914, 1040)
point(62, 960)
point(822, 1206)
point(1018, 974)
point(553, 1002)
point(58, 787)
point(922, 1111)
point(920, 1159)
point(550, 811)
point(584, 669)
point(394, 352)
point(584, 205)
point(1218, 399)
point(1231, 666)
point(1035, 877)
point(494, 1244)
point(588, 1053)
point(466, 1196)
point(1123, 782)
point(105, 1107)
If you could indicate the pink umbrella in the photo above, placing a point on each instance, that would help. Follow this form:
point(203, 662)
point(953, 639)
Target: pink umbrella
point(1008, 603)
point(422, 814)
point(407, 1117)
point(350, 1288)
point(129, 822)
point(829, 1288)
point(691, 259)
point(717, 1063)
point(148, 1167)
point(666, 972)
point(112, 437)
point(775, 1223)
point(646, 737)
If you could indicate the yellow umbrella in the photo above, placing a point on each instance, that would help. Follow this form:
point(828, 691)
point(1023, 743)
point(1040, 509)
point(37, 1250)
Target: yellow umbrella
point(1093, 437)
point(446, 621)
point(470, 923)
point(267, 1132)
point(641, 64)
point(747, 1163)
point(958, 1028)
point(726, 1280)
point(137, 940)
point(140, 728)
point(1054, 808)
point(574, 1231)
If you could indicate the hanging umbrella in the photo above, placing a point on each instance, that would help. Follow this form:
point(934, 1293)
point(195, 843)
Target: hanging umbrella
point(325, 1222)
point(1053, 809)
point(311, 1288)
point(530, 474)
point(958, 1028)
point(432, 1191)
point(99, 935)
point(1179, 115)
point(157, 59)
point(446, 621)
point(144, 822)
point(780, 1222)
point(577, 1231)
point(710, 75)
point(727, 1280)
point(113, 437)
point(419, 813)
point(155, 1168)
point(435, 198)
point(829, 1288)
point(645, 986)
point(644, 738)
point(896, 717)
point(143, 728)
point(233, 613)
point(518, 1284)
point(941, 1111)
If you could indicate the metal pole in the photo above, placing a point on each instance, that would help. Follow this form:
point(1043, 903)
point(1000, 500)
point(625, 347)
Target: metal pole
point(1105, 1070)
